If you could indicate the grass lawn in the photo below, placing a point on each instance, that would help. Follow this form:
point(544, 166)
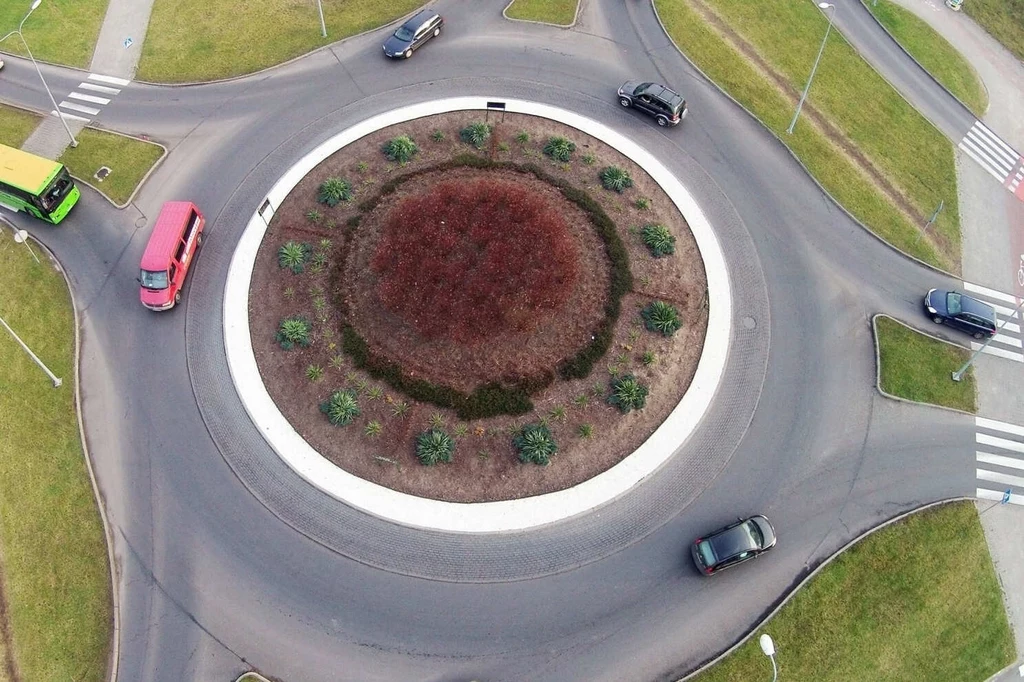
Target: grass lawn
point(51, 539)
point(918, 600)
point(16, 125)
point(59, 31)
point(933, 52)
point(907, 150)
point(223, 38)
point(918, 367)
point(560, 12)
point(1003, 19)
point(128, 159)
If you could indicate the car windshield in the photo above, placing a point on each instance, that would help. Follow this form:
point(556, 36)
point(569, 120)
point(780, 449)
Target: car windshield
point(51, 198)
point(404, 33)
point(953, 303)
point(707, 553)
point(154, 280)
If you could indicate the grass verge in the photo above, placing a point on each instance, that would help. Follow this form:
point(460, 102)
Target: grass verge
point(58, 31)
point(219, 41)
point(128, 159)
point(933, 52)
point(857, 136)
point(558, 12)
point(16, 125)
point(1003, 19)
point(918, 600)
point(53, 546)
point(917, 367)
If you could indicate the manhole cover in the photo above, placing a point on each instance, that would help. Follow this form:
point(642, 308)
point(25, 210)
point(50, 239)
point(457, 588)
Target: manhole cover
point(748, 323)
point(102, 173)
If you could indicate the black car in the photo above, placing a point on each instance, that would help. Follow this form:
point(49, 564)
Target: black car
point(666, 106)
point(961, 311)
point(734, 544)
point(413, 33)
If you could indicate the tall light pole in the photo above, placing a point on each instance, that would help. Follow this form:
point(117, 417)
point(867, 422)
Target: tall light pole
point(74, 142)
point(959, 374)
point(768, 647)
point(799, 106)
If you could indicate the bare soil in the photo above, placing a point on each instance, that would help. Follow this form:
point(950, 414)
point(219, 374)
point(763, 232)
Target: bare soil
point(485, 466)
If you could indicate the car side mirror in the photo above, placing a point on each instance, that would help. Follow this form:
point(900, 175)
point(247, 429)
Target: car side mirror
point(139, 280)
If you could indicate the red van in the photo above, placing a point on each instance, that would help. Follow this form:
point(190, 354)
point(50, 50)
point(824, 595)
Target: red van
point(171, 249)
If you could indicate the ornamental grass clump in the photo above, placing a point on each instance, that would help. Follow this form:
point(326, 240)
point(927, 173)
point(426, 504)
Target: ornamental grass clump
point(535, 444)
point(476, 134)
point(560, 148)
point(293, 255)
point(434, 446)
point(400, 149)
point(294, 331)
point(628, 393)
point(616, 179)
point(658, 240)
point(661, 317)
point(341, 408)
point(333, 191)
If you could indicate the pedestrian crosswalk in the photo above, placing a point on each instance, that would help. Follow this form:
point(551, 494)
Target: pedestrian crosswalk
point(999, 159)
point(1009, 341)
point(999, 461)
point(85, 102)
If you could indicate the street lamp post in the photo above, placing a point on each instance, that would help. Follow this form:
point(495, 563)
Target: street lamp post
point(74, 142)
point(959, 374)
point(799, 106)
point(768, 647)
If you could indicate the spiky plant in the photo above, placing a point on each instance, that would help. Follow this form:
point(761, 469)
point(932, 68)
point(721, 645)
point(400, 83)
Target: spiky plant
point(373, 429)
point(333, 191)
point(628, 393)
point(437, 136)
point(293, 255)
point(294, 331)
point(535, 444)
point(314, 372)
point(476, 134)
point(661, 317)
point(586, 430)
point(400, 149)
point(560, 148)
point(434, 446)
point(658, 240)
point(616, 179)
point(341, 407)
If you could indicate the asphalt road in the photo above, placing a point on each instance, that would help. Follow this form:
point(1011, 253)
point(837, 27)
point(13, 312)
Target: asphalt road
point(227, 560)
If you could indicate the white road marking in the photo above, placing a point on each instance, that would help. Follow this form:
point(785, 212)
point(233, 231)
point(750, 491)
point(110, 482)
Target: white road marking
point(996, 477)
point(998, 352)
point(995, 425)
point(89, 98)
point(975, 153)
point(984, 494)
point(1000, 460)
point(98, 88)
point(1001, 443)
point(108, 79)
point(78, 107)
point(71, 116)
point(991, 293)
point(1007, 340)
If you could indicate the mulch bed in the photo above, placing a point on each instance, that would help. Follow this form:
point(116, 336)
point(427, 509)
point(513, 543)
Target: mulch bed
point(485, 466)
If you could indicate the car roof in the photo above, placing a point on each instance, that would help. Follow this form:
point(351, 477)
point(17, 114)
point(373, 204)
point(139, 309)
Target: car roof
point(661, 92)
point(735, 540)
point(164, 239)
point(976, 307)
point(420, 18)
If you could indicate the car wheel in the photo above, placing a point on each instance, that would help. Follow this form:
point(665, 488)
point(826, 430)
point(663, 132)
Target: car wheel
point(662, 121)
point(408, 53)
point(437, 31)
point(937, 320)
point(624, 101)
point(199, 239)
point(177, 297)
point(979, 335)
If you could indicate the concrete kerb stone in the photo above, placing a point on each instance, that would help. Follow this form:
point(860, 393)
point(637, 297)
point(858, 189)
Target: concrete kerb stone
point(484, 517)
point(251, 677)
point(575, 17)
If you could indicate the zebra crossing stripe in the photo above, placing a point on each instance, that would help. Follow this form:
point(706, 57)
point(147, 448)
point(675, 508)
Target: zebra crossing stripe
point(996, 425)
point(976, 154)
point(89, 98)
point(996, 477)
point(108, 79)
point(1001, 443)
point(1000, 460)
point(78, 107)
point(997, 495)
point(98, 88)
point(999, 352)
point(983, 132)
point(992, 293)
point(64, 114)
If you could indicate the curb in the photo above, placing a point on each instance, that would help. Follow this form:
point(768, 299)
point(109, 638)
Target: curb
point(142, 180)
point(792, 593)
point(878, 366)
point(251, 676)
point(937, 82)
point(575, 17)
point(796, 158)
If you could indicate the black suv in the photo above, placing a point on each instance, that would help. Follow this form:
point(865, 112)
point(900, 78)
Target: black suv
point(961, 311)
point(413, 33)
point(738, 542)
point(666, 106)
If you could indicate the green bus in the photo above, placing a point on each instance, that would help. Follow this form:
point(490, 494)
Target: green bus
point(36, 185)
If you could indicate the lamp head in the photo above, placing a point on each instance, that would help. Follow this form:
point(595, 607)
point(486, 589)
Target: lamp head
point(821, 5)
point(35, 5)
point(767, 645)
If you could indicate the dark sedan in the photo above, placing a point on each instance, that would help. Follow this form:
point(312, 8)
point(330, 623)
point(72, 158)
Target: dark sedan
point(738, 542)
point(961, 311)
point(666, 106)
point(413, 33)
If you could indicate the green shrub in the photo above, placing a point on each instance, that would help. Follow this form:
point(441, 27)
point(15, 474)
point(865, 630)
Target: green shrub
point(628, 393)
point(341, 407)
point(503, 147)
point(586, 430)
point(535, 444)
point(648, 358)
point(292, 331)
point(314, 216)
point(314, 372)
point(437, 136)
point(522, 137)
point(616, 179)
point(434, 446)
point(658, 240)
point(476, 134)
point(560, 148)
point(294, 255)
point(642, 203)
point(589, 159)
point(661, 317)
point(400, 149)
point(333, 191)
point(373, 429)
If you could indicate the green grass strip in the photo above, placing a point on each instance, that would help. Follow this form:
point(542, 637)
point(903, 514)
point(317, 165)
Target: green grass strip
point(825, 162)
point(222, 38)
point(917, 367)
point(933, 52)
point(53, 547)
point(127, 158)
point(16, 125)
point(918, 600)
point(58, 31)
point(558, 12)
point(1003, 19)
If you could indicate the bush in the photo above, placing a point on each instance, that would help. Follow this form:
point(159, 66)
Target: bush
point(559, 148)
point(522, 137)
point(294, 255)
point(476, 134)
point(535, 444)
point(437, 136)
point(292, 331)
point(616, 179)
point(628, 394)
point(589, 159)
point(661, 317)
point(434, 446)
point(658, 240)
point(400, 149)
point(341, 408)
point(333, 191)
